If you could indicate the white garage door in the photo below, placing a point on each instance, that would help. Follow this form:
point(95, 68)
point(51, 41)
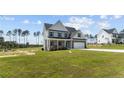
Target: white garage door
point(78, 45)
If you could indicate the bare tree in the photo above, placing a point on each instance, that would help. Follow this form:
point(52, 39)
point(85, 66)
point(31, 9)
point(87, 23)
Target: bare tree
point(9, 33)
point(1, 33)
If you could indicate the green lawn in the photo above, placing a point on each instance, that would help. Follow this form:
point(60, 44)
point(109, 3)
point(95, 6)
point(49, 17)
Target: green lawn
point(113, 46)
point(63, 64)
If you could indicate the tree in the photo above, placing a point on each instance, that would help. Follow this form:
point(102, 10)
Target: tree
point(35, 35)
point(27, 33)
point(38, 35)
point(9, 33)
point(14, 33)
point(1, 33)
point(90, 36)
point(19, 31)
point(23, 35)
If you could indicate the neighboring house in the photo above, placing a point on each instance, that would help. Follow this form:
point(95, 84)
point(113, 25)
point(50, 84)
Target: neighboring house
point(57, 36)
point(107, 36)
point(121, 37)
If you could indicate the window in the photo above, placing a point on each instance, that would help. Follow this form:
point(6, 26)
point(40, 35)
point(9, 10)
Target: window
point(51, 34)
point(79, 34)
point(59, 34)
point(51, 43)
point(65, 34)
point(114, 35)
point(103, 36)
point(60, 43)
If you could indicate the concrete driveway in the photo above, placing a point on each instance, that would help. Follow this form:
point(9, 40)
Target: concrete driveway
point(105, 50)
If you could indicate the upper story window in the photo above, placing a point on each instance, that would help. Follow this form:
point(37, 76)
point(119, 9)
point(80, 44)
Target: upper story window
point(103, 36)
point(51, 34)
point(59, 34)
point(65, 34)
point(79, 34)
point(114, 35)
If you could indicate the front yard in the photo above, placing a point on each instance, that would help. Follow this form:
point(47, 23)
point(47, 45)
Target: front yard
point(64, 64)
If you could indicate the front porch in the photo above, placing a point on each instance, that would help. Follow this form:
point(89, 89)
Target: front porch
point(58, 44)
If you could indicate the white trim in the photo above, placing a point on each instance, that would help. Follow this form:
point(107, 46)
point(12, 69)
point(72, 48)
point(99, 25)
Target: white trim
point(59, 39)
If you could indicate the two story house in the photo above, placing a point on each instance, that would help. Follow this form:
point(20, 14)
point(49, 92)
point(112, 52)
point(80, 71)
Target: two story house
point(107, 36)
point(57, 36)
point(121, 37)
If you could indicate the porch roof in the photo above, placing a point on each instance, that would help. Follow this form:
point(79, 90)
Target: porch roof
point(59, 39)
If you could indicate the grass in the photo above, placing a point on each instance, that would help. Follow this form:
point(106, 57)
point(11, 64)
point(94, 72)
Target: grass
point(112, 46)
point(63, 64)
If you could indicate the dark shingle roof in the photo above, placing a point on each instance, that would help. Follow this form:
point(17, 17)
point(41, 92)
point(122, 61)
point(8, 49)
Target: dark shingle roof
point(70, 29)
point(47, 25)
point(110, 31)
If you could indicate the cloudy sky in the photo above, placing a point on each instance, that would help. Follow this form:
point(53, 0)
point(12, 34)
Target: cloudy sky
point(90, 24)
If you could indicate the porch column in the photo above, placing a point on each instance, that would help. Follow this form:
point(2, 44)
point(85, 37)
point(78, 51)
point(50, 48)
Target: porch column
point(44, 44)
point(57, 44)
point(47, 44)
point(65, 43)
point(71, 44)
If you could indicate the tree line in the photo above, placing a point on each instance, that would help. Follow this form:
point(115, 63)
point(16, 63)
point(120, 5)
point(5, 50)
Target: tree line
point(18, 38)
point(16, 35)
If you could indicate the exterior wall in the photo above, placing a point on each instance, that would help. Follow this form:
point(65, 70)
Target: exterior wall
point(121, 40)
point(56, 33)
point(45, 33)
point(104, 37)
point(76, 35)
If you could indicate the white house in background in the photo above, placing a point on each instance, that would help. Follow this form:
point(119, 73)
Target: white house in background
point(57, 36)
point(121, 37)
point(107, 36)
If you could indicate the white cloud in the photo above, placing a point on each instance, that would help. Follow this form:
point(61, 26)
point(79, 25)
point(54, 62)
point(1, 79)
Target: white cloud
point(86, 31)
point(37, 23)
point(7, 18)
point(31, 22)
point(26, 21)
point(103, 24)
point(117, 16)
point(103, 17)
point(80, 22)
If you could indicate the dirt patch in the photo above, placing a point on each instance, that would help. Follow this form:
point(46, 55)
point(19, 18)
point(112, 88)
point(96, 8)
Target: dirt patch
point(16, 53)
point(8, 56)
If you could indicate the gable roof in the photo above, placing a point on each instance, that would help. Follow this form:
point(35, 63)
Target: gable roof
point(71, 29)
point(58, 26)
point(110, 31)
point(49, 26)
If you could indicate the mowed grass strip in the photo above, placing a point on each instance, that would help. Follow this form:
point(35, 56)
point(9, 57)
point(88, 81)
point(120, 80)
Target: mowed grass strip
point(107, 46)
point(62, 64)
